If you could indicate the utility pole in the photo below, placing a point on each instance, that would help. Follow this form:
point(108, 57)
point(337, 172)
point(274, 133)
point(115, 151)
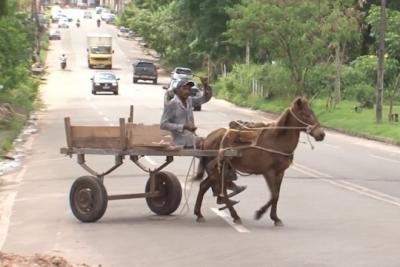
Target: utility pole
point(381, 58)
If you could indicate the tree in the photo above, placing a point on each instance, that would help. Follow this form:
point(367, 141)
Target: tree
point(339, 28)
point(3, 8)
point(380, 73)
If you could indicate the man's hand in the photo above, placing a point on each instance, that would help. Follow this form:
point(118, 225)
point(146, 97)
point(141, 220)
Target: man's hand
point(204, 81)
point(190, 128)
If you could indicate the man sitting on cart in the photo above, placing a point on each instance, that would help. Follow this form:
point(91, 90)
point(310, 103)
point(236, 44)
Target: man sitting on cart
point(178, 119)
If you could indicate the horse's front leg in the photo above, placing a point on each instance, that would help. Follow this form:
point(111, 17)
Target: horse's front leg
point(203, 188)
point(273, 182)
point(274, 206)
point(228, 203)
point(232, 211)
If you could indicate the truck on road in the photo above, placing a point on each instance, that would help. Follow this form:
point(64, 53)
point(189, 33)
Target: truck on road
point(99, 48)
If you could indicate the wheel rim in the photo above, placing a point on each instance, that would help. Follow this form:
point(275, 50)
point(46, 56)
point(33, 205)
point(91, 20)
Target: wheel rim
point(162, 188)
point(84, 200)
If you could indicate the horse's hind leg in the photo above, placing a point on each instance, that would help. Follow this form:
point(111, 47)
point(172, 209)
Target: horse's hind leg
point(204, 186)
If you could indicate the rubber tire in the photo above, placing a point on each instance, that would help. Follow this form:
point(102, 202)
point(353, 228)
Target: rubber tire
point(94, 92)
point(115, 92)
point(155, 81)
point(99, 199)
point(197, 108)
point(134, 80)
point(168, 203)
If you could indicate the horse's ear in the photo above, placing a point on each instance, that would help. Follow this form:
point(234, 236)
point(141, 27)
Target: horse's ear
point(298, 102)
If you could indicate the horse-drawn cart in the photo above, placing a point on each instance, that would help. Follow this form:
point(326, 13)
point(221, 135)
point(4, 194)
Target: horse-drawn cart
point(163, 192)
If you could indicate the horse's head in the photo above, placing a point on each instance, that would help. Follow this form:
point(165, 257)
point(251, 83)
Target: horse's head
point(304, 115)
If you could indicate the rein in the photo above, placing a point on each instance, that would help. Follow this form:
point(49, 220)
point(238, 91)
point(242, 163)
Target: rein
point(307, 126)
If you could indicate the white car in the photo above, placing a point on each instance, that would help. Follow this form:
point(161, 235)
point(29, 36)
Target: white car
point(54, 34)
point(87, 15)
point(182, 73)
point(105, 15)
point(99, 9)
point(63, 23)
point(124, 32)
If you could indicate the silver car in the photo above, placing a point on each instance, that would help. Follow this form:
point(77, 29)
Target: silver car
point(182, 73)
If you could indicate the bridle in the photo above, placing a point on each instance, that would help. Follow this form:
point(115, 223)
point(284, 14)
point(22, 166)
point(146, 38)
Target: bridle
point(308, 127)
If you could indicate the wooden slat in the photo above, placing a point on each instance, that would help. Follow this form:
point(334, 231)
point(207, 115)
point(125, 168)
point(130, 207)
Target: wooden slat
point(122, 133)
point(95, 131)
point(131, 114)
point(140, 135)
point(67, 122)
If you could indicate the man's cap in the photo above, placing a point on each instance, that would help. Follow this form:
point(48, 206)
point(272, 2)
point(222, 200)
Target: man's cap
point(183, 83)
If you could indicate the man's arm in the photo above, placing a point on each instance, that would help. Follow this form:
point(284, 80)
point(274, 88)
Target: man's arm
point(206, 96)
point(167, 118)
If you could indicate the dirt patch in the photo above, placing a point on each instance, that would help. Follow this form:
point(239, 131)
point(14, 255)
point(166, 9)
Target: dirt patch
point(37, 260)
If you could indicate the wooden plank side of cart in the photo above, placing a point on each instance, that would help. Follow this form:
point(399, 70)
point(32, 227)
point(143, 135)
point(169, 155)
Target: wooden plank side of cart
point(115, 140)
point(151, 152)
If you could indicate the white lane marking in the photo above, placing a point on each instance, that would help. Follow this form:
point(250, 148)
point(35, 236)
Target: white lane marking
point(149, 160)
point(106, 119)
point(348, 185)
point(6, 206)
point(238, 227)
point(387, 159)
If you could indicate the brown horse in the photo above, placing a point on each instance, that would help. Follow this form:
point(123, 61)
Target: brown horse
point(269, 154)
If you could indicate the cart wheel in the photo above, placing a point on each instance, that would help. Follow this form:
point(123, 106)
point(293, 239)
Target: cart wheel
point(171, 194)
point(88, 199)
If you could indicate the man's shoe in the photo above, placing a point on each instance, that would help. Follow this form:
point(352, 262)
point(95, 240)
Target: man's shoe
point(236, 190)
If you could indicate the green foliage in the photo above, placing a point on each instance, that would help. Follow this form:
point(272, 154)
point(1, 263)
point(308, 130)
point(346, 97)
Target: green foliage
point(16, 50)
point(295, 32)
point(360, 92)
point(392, 32)
point(183, 32)
point(366, 68)
point(319, 79)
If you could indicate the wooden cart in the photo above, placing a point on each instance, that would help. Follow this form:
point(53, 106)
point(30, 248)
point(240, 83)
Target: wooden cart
point(88, 195)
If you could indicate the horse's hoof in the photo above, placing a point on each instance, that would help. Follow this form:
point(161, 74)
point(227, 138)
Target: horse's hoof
point(258, 215)
point(200, 219)
point(279, 223)
point(237, 221)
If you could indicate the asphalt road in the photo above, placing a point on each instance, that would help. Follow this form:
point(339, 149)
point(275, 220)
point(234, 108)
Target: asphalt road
point(340, 202)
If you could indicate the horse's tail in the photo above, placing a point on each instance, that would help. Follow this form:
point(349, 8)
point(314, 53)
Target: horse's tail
point(201, 169)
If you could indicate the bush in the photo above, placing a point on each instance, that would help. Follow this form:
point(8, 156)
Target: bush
point(320, 79)
point(361, 92)
point(273, 78)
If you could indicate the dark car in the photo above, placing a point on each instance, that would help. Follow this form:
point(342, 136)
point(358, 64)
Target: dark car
point(104, 82)
point(169, 94)
point(144, 70)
